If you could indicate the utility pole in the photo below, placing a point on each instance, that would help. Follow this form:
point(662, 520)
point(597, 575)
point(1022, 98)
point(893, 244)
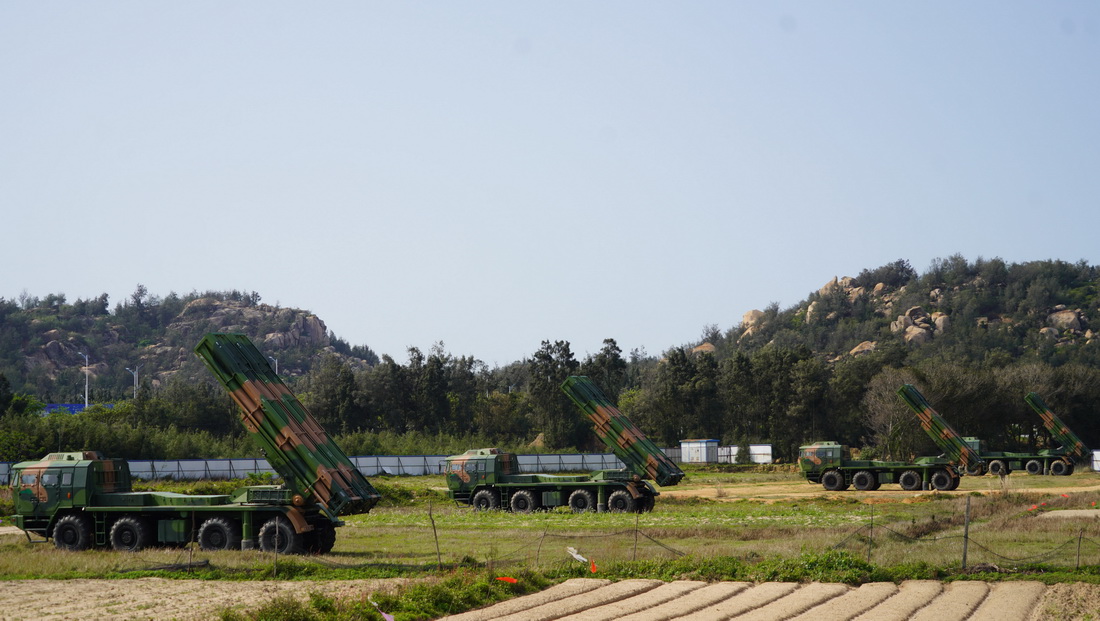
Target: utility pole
point(134, 372)
point(85, 378)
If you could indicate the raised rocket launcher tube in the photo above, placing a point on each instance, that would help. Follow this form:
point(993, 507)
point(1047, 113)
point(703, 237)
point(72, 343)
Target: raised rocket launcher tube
point(639, 453)
point(295, 444)
point(1072, 445)
point(942, 433)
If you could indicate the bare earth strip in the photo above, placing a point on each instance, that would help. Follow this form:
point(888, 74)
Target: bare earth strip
point(158, 598)
point(581, 598)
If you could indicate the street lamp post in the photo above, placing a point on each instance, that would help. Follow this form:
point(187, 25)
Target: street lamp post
point(276, 361)
point(85, 378)
point(134, 372)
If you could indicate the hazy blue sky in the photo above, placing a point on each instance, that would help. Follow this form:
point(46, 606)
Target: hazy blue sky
point(493, 174)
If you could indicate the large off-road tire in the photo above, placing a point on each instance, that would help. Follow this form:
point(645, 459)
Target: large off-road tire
point(1059, 468)
point(975, 470)
point(73, 532)
point(645, 503)
point(942, 480)
point(278, 535)
point(620, 501)
point(582, 501)
point(321, 539)
point(1034, 466)
point(218, 533)
point(910, 481)
point(523, 501)
point(130, 534)
point(485, 500)
point(998, 468)
point(833, 481)
point(865, 481)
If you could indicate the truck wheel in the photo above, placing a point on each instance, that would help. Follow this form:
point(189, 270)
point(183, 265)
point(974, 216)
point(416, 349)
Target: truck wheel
point(485, 500)
point(910, 480)
point(582, 501)
point(219, 534)
point(1058, 468)
point(72, 532)
point(130, 534)
point(865, 481)
point(833, 481)
point(321, 539)
point(1034, 466)
point(278, 535)
point(523, 501)
point(645, 503)
point(620, 501)
point(941, 480)
point(998, 468)
point(975, 470)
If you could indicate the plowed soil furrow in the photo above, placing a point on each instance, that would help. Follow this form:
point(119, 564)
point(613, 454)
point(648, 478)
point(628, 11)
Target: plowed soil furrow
point(1009, 601)
point(558, 592)
point(797, 602)
point(851, 604)
point(956, 603)
point(751, 599)
point(611, 593)
point(911, 597)
point(671, 591)
point(706, 596)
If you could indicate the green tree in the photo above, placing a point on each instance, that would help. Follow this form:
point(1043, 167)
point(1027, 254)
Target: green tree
point(554, 414)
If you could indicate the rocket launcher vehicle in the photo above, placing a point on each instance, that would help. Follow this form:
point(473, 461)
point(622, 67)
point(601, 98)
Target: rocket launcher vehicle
point(1072, 446)
point(942, 433)
point(313, 467)
point(639, 453)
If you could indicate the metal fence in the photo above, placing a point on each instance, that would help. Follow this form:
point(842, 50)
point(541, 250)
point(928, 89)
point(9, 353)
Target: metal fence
point(369, 465)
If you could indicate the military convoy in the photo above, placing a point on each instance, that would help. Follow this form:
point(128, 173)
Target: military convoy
point(490, 479)
point(1059, 461)
point(83, 500)
point(829, 463)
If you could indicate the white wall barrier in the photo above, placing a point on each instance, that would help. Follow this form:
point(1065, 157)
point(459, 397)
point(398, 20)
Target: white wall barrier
point(398, 465)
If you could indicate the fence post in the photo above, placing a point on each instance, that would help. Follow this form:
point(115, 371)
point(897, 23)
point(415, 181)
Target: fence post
point(966, 532)
point(1080, 533)
point(871, 534)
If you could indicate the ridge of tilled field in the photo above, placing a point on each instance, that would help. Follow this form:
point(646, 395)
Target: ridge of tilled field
point(652, 600)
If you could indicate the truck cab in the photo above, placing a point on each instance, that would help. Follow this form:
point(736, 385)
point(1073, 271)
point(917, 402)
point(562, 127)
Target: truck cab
point(43, 490)
point(476, 468)
point(813, 459)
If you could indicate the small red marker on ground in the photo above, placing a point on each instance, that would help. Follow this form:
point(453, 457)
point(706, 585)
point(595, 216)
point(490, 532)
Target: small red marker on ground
point(506, 579)
point(593, 567)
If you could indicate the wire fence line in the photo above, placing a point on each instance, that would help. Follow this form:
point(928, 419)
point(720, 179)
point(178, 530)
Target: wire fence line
point(867, 531)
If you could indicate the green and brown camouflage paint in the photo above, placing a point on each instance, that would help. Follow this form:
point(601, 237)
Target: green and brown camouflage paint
point(295, 444)
point(641, 455)
point(942, 433)
point(1072, 445)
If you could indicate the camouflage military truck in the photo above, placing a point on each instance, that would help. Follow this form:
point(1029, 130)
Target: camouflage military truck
point(829, 463)
point(83, 500)
point(490, 479)
point(1059, 461)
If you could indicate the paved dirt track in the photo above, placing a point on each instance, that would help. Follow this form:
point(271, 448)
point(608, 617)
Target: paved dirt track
point(652, 600)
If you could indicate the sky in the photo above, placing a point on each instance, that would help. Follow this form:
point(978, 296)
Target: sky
point(491, 175)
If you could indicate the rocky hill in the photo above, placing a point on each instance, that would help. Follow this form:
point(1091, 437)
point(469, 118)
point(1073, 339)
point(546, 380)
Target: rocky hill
point(156, 341)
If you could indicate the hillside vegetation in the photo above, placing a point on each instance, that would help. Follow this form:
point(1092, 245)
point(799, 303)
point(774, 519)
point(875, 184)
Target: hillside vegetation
point(973, 336)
